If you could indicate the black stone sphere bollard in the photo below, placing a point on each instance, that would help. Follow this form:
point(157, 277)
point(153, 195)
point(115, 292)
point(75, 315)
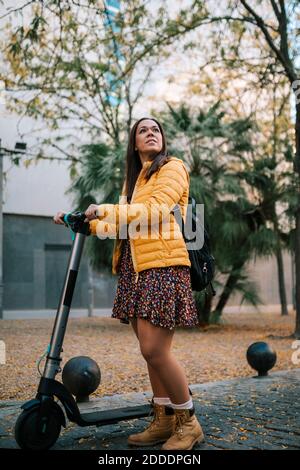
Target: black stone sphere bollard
point(81, 376)
point(261, 357)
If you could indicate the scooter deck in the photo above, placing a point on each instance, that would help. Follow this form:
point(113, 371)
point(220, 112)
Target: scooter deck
point(101, 418)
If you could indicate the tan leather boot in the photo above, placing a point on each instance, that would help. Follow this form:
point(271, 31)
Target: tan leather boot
point(159, 430)
point(187, 433)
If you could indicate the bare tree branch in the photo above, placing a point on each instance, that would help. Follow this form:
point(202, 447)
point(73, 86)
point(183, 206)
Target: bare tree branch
point(276, 9)
point(285, 60)
point(13, 10)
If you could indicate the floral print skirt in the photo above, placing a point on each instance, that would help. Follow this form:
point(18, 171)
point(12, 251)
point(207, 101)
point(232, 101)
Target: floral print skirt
point(161, 295)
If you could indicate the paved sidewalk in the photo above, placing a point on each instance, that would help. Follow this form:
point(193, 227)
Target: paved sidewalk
point(51, 313)
point(238, 414)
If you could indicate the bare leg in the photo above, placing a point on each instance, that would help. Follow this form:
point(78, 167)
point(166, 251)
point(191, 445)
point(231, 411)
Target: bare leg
point(155, 345)
point(156, 385)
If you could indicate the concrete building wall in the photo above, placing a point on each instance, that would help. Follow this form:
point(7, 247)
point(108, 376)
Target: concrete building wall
point(35, 257)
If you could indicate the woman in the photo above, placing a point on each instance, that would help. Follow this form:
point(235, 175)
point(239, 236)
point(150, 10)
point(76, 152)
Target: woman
point(154, 287)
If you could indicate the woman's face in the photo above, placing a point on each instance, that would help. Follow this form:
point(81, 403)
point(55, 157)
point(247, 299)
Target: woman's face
point(148, 138)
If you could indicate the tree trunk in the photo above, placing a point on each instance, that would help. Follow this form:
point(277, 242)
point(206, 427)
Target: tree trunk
point(297, 234)
point(280, 271)
point(203, 308)
point(207, 307)
point(281, 283)
point(227, 291)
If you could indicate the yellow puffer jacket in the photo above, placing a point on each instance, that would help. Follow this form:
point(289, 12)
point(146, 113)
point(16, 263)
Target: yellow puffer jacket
point(165, 188)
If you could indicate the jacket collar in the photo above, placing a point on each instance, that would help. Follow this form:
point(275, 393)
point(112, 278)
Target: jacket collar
point(147, 163)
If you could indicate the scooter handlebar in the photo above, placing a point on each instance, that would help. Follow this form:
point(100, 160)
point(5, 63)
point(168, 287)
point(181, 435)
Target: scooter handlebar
point(75, 221)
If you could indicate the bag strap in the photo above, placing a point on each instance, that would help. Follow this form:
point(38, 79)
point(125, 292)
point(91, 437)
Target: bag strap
point(177, 214)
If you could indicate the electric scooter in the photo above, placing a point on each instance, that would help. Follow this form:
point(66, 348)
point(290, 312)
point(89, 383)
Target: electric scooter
point(39, 425)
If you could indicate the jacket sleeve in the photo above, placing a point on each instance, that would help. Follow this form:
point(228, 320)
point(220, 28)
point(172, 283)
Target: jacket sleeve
point(170, 184)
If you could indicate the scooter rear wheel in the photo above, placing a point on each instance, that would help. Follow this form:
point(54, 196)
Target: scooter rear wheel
point(27, 435)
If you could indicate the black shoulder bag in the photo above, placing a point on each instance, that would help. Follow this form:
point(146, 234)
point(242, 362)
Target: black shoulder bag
point(202, 261)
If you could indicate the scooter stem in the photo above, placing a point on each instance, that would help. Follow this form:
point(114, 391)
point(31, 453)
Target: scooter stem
point(52, 366)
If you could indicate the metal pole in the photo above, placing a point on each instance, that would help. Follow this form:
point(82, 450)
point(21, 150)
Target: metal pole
point(90, 291)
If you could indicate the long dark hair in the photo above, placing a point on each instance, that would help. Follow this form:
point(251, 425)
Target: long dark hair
point(133, 162)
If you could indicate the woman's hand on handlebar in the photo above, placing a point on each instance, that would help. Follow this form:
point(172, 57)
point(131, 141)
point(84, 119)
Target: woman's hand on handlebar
point(91, 212)
point(58, 218)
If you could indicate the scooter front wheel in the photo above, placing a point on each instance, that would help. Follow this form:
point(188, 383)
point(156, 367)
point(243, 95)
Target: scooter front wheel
point(26, 430)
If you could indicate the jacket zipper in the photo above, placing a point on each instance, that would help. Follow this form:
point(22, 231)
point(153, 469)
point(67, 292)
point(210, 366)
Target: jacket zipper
point(130, 241)
point(117, 240)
